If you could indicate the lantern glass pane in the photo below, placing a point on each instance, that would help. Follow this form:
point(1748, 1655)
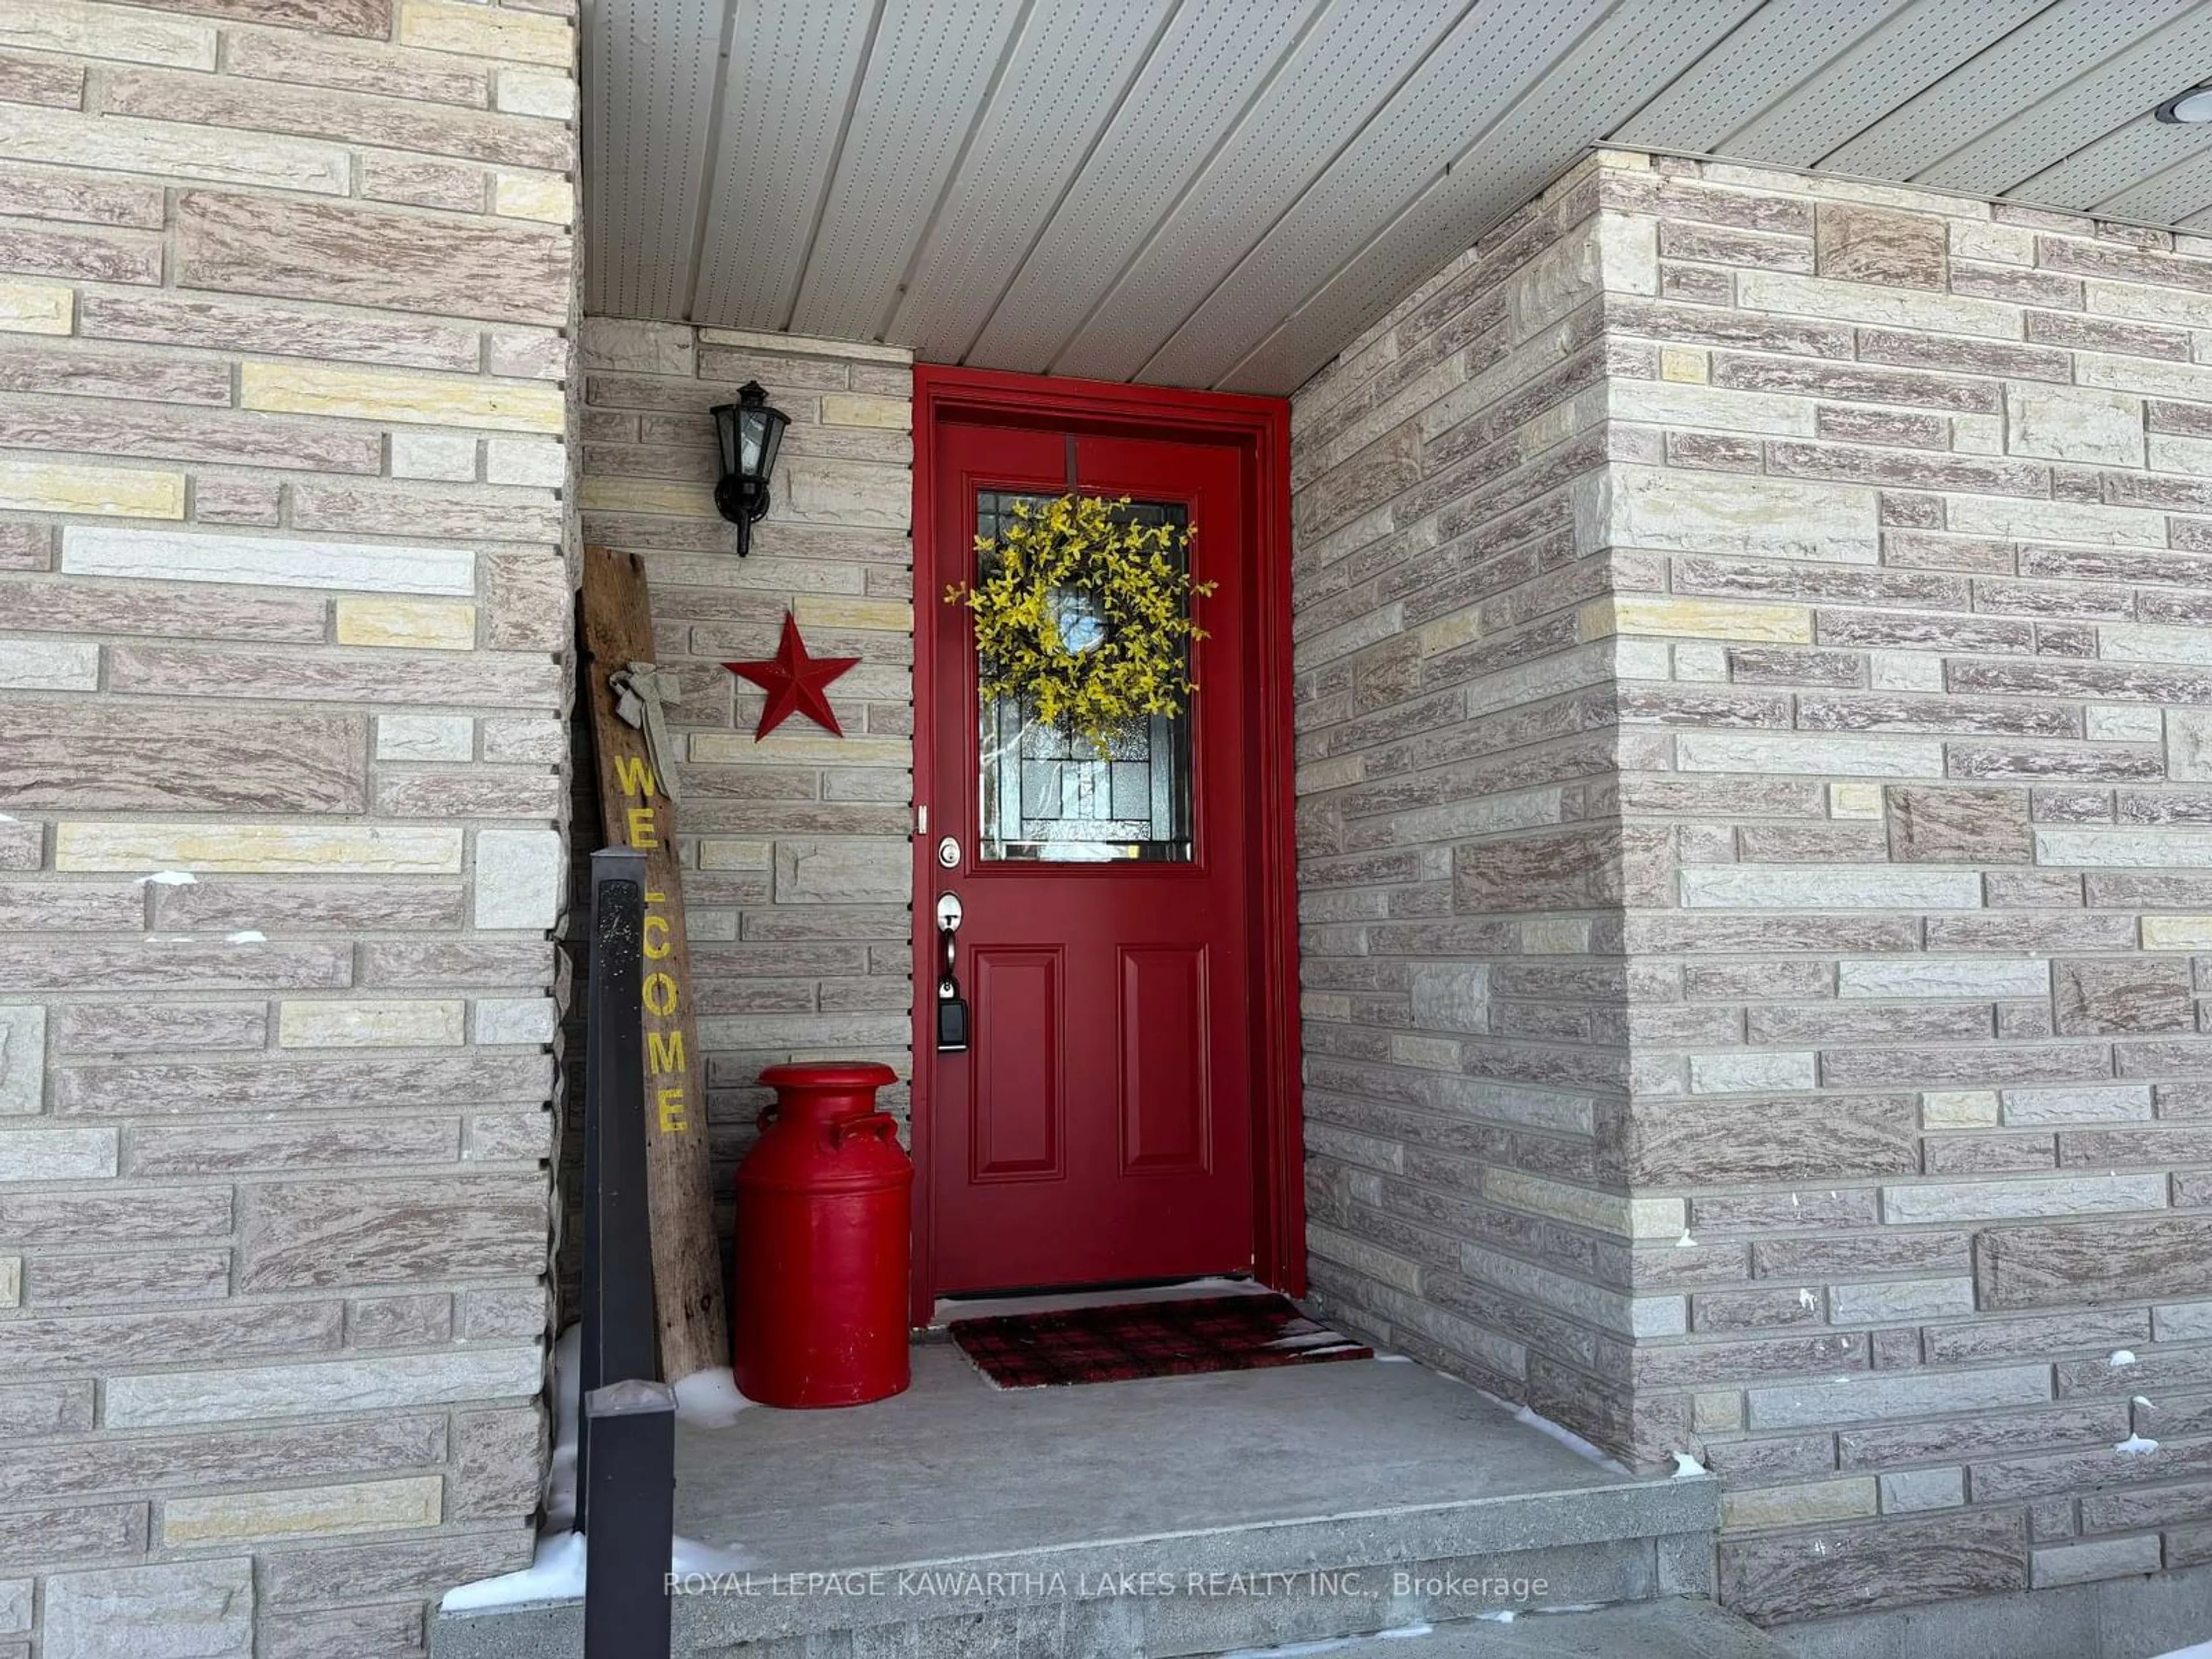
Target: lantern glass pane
point(771, 438)
point(725, 434)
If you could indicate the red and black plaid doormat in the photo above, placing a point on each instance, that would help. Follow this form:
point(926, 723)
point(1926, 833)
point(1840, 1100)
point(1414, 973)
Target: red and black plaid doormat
point(1148, 1339)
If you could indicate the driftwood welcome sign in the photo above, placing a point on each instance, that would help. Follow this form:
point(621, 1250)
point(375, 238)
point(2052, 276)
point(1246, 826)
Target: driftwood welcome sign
point(636, 811)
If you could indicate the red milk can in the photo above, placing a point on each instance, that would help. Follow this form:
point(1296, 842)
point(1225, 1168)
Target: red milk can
point(824, 1202)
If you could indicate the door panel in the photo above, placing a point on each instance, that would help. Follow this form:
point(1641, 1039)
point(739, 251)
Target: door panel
point(1166, 1104)
point(1017, 1132)
point(1100, 1126)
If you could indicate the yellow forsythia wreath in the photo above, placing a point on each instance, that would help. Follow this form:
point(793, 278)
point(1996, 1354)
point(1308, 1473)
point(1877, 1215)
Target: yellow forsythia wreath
point(1085, 614)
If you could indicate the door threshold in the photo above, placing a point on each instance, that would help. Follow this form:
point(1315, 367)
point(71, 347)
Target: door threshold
point(950, 1307)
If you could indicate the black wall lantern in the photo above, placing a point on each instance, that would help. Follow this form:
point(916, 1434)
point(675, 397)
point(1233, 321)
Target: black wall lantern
point(750, 433)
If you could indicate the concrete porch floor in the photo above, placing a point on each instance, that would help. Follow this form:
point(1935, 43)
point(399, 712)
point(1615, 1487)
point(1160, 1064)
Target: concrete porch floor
point(957, 1469)
point(1412, 1488)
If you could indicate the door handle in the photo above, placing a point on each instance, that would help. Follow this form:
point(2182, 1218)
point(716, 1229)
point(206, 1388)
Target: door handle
point(952, 1020)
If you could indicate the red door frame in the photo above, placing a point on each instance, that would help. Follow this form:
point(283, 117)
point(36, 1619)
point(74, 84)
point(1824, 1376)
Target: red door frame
point(1259, 427)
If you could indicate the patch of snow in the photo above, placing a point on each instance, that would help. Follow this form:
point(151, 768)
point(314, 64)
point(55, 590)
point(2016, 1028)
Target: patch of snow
point(1686, 1243)
point(4, 818)
point(249, 936)
point(168, 939)
point(555, 1573)
point(168, 878)
point(2199, 1650)
point(1806, 1299)
point(1499, 1615)
point(2142, 1399)
point(2121, 1357)
point(1685, 1466)
point(688, 1555)
point(709, 1399)
point(2136, 1446)
point(1567, 1438)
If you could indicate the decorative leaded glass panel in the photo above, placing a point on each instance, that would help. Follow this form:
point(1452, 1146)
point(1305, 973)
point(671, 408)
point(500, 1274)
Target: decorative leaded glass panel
point(1055, 799)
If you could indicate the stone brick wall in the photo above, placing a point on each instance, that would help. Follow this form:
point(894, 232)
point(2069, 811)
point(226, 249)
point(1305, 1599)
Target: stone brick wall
point(1464, 1004)
point(796, 849)
point(1919, 507)
point(284, 293)
point(1902, 904)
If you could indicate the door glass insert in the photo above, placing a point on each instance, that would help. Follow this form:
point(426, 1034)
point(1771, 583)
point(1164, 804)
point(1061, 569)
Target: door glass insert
point(1054, 798)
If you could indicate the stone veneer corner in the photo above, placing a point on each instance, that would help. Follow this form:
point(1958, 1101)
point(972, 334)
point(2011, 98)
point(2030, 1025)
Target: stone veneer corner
point(1752, 689)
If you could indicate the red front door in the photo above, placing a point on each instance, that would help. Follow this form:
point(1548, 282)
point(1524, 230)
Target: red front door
point(1100, 1126)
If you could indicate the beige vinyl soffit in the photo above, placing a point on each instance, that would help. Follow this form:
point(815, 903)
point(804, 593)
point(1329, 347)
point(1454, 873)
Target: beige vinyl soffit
point(1221, 192)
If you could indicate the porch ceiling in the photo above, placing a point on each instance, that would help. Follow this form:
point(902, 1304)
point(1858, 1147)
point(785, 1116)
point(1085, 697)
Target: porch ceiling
point(1222, 192)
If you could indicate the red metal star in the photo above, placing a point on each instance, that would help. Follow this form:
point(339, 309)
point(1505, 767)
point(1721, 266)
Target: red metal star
point(794, 682)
